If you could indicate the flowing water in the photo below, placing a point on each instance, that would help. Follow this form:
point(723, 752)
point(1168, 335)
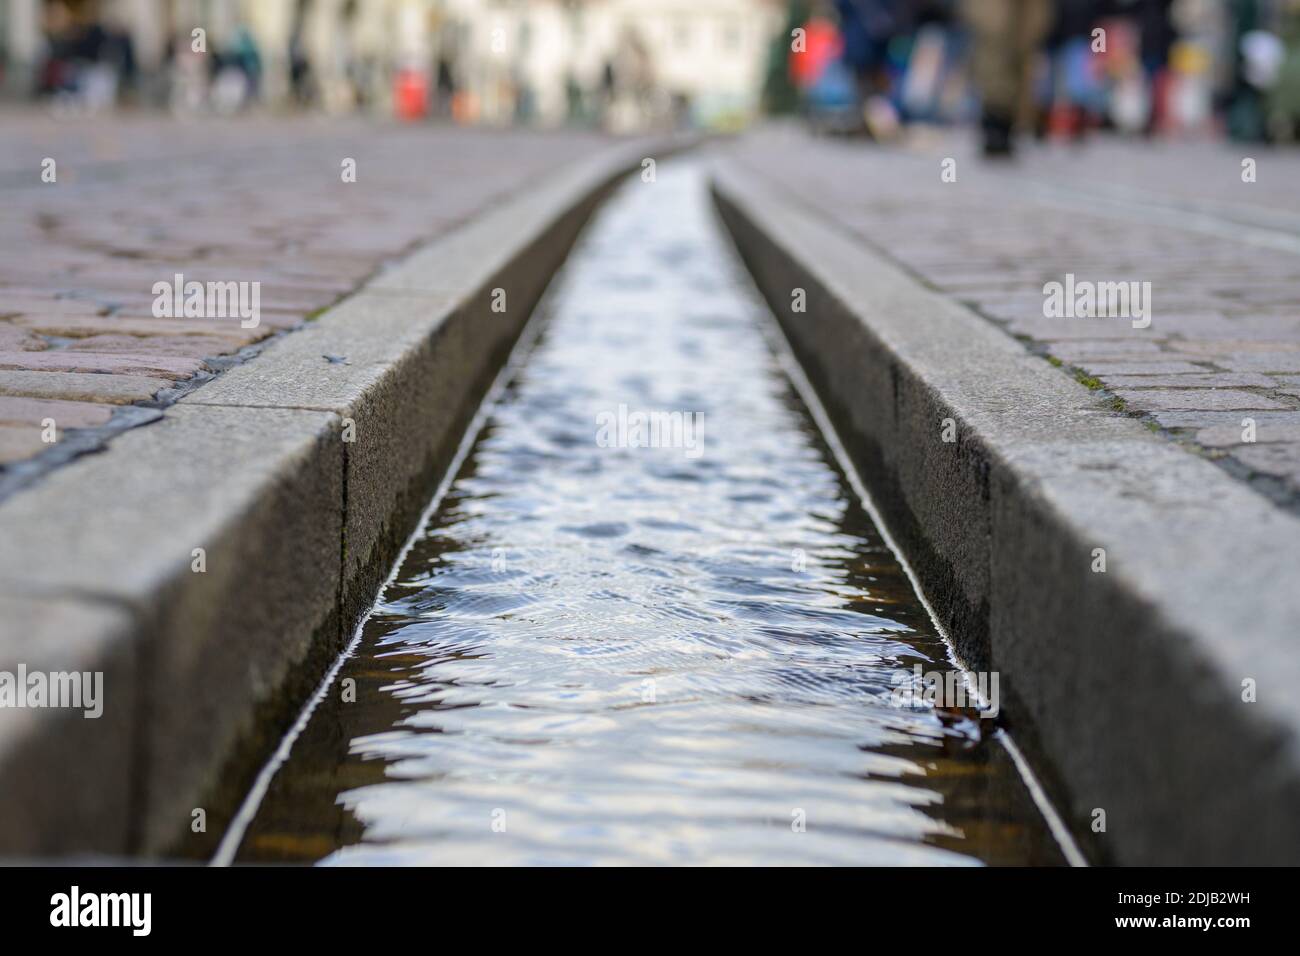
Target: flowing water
point(600, 652)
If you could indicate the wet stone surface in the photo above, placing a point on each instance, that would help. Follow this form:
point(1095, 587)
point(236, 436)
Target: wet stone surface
point(682, 654)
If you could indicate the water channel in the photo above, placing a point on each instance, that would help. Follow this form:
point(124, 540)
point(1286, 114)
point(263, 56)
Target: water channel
point(601, 652)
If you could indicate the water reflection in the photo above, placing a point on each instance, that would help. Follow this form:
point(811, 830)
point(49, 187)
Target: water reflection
point(634, 655)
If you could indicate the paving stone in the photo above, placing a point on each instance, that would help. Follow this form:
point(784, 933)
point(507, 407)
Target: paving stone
point(16, 339)
point(1064, 330)
point(23, 302)
point(1225, 349)
point(67, 360)
point(20, 441)
point(1223, 436)
point(16, 410)
point(1203, 380)
point(1281, 459)
point(1261, 362)
point(85, 326)
point(1130, 351)
point(194, 346)
point(1104, 368)
point(1203, 399)
point(81, 386)
point(271, 321)
point(1204, 419)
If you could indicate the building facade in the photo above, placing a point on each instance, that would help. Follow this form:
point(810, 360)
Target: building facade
point(623, 63)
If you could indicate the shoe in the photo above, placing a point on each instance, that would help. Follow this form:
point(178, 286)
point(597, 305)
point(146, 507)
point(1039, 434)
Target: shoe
point(998, 141)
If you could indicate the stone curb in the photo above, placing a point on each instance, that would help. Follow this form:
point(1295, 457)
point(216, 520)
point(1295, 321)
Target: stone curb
point(1125, 687)
point(300, 477)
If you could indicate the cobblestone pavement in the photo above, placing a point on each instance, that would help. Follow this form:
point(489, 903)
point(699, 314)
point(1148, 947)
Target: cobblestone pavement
point(1222, 255)
point(138, 200)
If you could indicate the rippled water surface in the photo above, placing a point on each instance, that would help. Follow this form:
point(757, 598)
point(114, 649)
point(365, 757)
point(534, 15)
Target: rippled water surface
point(600, 654)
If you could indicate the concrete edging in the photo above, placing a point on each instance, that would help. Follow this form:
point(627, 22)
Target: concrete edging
point(204, 671)
point(1125, 687)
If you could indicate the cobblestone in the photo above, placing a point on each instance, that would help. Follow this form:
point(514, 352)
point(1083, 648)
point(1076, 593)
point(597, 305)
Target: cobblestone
point(68, 360)
point(1116, 372)
point(1222, 258)
point(18, 442)
point(1281, 459)
point(1196, 399)
point(138, 200)
point(77, 386)
point(34, 411)
point(1190, 380)
point(1264, 420)
point(1223, 436)
point(14, 339)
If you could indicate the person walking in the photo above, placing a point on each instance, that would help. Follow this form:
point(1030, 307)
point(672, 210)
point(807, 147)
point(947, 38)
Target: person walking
point(1006, 37)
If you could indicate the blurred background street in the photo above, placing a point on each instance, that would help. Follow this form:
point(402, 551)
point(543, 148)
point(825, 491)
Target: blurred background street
point(619, 63)
point(1061, 69)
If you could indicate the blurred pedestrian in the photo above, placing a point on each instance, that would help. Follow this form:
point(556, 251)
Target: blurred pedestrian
point(1006, 37)
point(868, 27)
point(1157, 33)
point(1284, 97)
point(1250, 69)
point(825, 82)
point(1076, 100)
point(779, 92)
point(88, 60)
point(236, 72)
point(931, 86)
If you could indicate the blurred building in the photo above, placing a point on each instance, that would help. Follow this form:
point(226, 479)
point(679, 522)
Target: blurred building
point(623, 63)
point(637, 59)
